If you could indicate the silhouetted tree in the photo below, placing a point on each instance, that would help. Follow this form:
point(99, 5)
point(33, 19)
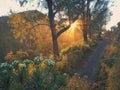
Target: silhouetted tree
point(94, 13)
point(57, 7)
point(100, 15)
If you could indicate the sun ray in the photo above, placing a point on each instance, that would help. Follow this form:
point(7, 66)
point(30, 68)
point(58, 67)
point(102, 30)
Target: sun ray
point(75, 25)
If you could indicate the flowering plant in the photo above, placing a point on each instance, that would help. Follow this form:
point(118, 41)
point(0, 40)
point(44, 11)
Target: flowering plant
point(38, 59)
point(49, 62)
point(27, 61)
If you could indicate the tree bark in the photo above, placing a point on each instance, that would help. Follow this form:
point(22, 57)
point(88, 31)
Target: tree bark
point(85, 31)
point(85, 35)
point(99, 32)
point(55, 34)
point(88, 19)
point(52, 28)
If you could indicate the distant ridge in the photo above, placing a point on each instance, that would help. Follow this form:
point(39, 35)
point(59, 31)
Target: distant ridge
point(35, 14)
point(7, 41)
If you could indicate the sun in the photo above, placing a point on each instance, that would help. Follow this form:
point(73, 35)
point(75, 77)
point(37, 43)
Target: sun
point(74, 25)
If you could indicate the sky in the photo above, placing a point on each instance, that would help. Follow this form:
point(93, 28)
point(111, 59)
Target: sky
point(115, 18)
point(7, 5)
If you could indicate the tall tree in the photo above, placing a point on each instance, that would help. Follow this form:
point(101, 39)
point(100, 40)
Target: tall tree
point(69, 10)
point(59, 8)
point(52, 4)
point(93, 11)
point(86, 19)
point(100, 15)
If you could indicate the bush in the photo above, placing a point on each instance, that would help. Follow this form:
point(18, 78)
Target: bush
point(77, 83)
point(5, 75)
point(114, 74)
point(73, 57)
point(15, 75)
point(108, 78)
point(9, 56)
point(19, 55)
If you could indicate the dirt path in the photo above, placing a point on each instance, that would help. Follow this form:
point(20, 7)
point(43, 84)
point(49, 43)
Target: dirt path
point(90, 68)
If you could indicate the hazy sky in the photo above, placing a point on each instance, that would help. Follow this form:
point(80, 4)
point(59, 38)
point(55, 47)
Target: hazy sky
point(6, 5)
point(115, 18)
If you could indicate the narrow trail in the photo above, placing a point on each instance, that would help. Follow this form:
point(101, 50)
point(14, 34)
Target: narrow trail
point(93, 64)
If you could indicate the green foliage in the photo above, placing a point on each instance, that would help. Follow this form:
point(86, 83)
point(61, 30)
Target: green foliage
point(15, 75)
point(76, 49)
point(108, 77)
point(93, 44)
point(5, 79)
point(73, 49)
point(21, 73)
point(73, 57)
point(5, 75)
point(53, 81)
point(114, 74)
point(33, 16)
point(109, 62)
point(19, 87)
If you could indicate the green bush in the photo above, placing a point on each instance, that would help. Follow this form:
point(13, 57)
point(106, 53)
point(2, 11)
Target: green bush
point(15, 75)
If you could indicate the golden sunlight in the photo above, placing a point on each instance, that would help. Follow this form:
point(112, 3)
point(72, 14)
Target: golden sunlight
point(74, 25)
point(73, 29)
point(72, 36)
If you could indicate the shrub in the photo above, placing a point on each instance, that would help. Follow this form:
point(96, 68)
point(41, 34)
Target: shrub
point(5, 75)
point(10, 56)
point(114, 74)
point(21, 55)
point(77, 83)
point(15, 75)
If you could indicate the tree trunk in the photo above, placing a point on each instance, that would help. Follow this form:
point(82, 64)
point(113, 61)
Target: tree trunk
point(85, 35)
point(99, 35)
point(85, 31)
point(88, 19)
point(99, 32)
point(55, 43)
point(90, 33)
point(89, 28)
point(52, 27)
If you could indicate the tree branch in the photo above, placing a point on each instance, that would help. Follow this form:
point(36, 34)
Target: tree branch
point(62, 30)
point(66, 28)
